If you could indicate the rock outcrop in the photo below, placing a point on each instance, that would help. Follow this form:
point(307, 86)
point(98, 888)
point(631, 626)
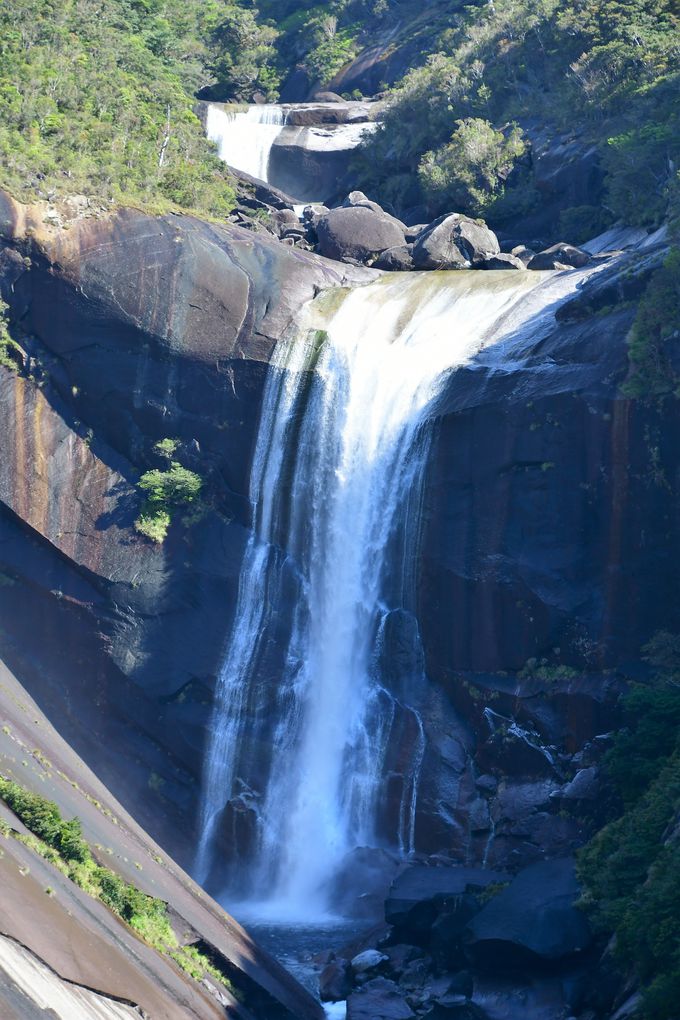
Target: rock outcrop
point(60, 945)
point(454, 242)
point(357, 232)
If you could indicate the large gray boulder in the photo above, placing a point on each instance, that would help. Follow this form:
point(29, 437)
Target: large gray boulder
point(358, 232)
point(535, 916)
point(454, 242)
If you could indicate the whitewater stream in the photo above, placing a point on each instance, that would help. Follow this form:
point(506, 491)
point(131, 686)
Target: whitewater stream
point(335, 500)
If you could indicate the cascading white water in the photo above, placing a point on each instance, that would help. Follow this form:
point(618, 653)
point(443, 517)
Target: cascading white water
point(245, 137)
point(335, 493)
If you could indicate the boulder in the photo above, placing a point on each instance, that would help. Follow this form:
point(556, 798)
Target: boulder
point(358, 233)
point(419, 893)
point(396, 260)
point(400, 956)
point(534, 917)
point(327, 97)
point(413, 233)
point(560, 256)
point(378, 1000)
point(370, 959)
point(335, 981)
point(454, 242)
point(524, 254)
point(503, 261)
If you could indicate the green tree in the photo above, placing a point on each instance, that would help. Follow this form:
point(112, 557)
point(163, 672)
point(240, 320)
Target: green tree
point(470, 171)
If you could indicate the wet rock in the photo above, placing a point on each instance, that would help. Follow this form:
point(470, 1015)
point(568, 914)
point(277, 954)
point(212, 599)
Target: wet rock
point(454, 242)
point(335, 981)
point(535, 916)
point(503, 261)
point(560, 256)
point(362, 882)
point(400, 956)
point(380, 999)
point(357, 232)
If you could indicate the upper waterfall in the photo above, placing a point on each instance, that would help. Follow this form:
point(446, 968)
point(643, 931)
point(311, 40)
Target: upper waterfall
point(305, 721)
point(245, 137)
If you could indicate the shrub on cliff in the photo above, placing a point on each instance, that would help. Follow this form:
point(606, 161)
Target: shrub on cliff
point(164, 492)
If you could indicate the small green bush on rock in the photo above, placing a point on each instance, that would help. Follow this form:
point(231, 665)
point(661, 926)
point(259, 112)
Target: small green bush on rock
point(165, 491)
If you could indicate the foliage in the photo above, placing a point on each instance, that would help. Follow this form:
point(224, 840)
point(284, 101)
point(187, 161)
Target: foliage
point(96, 98)
point(655, 335)
point(10, 351)
point(166, 448)
point(470, 171)
point(604, 69)
point(165, 491)
point(631, 868)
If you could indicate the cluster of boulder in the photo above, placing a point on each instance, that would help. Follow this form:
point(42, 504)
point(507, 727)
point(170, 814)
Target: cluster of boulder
point(472, 944)
point(359, 232)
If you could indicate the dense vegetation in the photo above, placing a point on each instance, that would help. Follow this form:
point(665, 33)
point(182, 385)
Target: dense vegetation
point(96, 98)
point(631, 869)
point(605, 69)
point(656, 330)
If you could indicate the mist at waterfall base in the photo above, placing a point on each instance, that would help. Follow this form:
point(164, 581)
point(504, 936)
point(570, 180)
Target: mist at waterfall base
point(307, 728)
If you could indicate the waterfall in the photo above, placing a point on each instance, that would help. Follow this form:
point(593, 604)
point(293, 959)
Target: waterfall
point(304, 716)
point(245, 137)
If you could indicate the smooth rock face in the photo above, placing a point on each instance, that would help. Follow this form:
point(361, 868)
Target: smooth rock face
point(454, 242)
point(535, 915)
point(357, 232)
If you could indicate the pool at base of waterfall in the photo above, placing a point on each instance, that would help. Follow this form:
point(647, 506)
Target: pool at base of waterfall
point(295, 946)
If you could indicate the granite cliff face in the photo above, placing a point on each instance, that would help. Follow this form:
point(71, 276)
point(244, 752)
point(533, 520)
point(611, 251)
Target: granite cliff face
point(548, 528)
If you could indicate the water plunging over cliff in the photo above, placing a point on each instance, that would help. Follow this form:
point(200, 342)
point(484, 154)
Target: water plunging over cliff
point(245, 137)
point(305, 720)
